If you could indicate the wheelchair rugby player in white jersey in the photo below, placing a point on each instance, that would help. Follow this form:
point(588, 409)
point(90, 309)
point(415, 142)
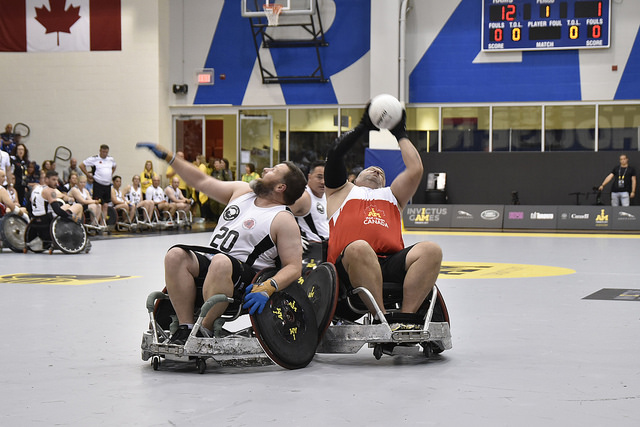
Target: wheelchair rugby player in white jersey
point(252, 265)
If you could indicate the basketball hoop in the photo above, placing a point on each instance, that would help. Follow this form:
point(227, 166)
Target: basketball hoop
point(272, 11)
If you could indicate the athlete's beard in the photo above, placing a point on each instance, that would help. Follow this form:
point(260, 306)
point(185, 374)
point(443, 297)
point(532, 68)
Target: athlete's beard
point(261, 188)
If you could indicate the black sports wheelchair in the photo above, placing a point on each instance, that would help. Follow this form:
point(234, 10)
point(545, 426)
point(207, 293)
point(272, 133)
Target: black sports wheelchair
point(44, 233)
point(313, 315)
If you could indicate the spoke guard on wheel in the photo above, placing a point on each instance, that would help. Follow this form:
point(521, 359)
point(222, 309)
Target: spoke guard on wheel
point(68, 235)
point(287, 328)
point(321, 286)
point(12, 230)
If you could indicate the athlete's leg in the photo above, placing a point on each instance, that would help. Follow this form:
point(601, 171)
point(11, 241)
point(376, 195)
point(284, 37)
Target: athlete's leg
point(361, 264)
point(181, 267)
point(219, 280)
point(422, 266)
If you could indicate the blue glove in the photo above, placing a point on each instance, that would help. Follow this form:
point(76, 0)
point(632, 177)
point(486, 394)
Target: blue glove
point(255, 300)
point(154, 149)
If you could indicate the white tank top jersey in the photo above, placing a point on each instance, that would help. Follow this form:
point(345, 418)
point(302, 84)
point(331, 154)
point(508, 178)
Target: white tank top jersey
point(243, 232)
point(38, 204)
point(84, 193)
point(135, 196)
point(119, 198)
point(155, 194)
point(315, 224)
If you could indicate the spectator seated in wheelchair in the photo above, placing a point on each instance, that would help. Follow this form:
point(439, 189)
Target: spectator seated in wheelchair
point(181, 204)
point(156, 194)
point(45, 207)
point(8, 203)
point(144, 208)
point(91, 208)
point(125, 210)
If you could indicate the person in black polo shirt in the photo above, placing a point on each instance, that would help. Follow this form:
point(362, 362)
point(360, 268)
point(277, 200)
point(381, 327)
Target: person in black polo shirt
point(624, 183)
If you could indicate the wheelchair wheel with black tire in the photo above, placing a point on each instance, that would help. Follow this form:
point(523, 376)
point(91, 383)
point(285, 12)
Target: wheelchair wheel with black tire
point(68, 236)
point(287, 329)
point(12, 231)
point(321, 286)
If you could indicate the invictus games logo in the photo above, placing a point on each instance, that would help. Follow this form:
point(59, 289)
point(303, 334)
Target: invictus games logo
point(231, 213)
point(602, 219)
point(320, 208)
point(375, 216)
point(425, 215)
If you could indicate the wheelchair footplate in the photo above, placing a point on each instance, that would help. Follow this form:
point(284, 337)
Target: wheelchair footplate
point(349, 337)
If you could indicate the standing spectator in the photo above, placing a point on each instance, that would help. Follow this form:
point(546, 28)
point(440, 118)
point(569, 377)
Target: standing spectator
point(623, 188)
point(20, 160)
point(250, 173)
point(9, 139)
point(103, 167)
point(230, 176)
point(73, 167)
point(146, 177)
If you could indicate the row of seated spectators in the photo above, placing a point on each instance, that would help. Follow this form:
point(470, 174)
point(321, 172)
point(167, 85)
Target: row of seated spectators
point(19, 175)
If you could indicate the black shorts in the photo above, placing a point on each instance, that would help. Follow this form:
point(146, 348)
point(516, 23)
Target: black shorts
point(392, 266)
point(242, 275)
point(102, 192)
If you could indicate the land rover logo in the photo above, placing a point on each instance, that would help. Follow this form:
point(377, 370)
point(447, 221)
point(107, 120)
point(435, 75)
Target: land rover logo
point(490, 215)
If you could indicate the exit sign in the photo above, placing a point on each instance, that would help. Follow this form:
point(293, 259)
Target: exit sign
point(204, 76)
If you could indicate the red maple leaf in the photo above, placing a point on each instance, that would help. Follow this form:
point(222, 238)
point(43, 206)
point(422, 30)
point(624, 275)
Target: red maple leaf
point(57, 20)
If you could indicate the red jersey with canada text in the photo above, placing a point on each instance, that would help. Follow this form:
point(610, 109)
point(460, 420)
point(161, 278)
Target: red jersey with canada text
point(366, 214)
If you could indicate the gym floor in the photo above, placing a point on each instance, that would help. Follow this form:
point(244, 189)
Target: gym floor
point(545, 331)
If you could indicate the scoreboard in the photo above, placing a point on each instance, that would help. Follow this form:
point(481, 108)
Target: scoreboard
point(545, 24)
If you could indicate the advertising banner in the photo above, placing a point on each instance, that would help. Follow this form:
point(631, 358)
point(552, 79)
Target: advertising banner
point(584, 217)
point(519, 216)
point(427, 216)
point(625, 218)
point(477, 216)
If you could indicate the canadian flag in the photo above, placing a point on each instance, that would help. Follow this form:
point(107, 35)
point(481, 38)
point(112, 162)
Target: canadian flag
point(59, 25)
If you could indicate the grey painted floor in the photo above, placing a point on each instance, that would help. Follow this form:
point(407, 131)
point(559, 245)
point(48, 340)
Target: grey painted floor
point(527, 351)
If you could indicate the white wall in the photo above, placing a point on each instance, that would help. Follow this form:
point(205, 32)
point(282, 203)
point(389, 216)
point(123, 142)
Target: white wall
point(83, 99)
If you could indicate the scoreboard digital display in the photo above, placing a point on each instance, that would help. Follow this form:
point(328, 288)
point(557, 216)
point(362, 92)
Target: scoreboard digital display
point(545, 24)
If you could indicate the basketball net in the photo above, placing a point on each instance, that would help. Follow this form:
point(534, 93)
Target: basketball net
point(272, 11)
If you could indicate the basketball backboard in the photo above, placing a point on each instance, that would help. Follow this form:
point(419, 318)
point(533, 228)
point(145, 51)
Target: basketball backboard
point(254, 8)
